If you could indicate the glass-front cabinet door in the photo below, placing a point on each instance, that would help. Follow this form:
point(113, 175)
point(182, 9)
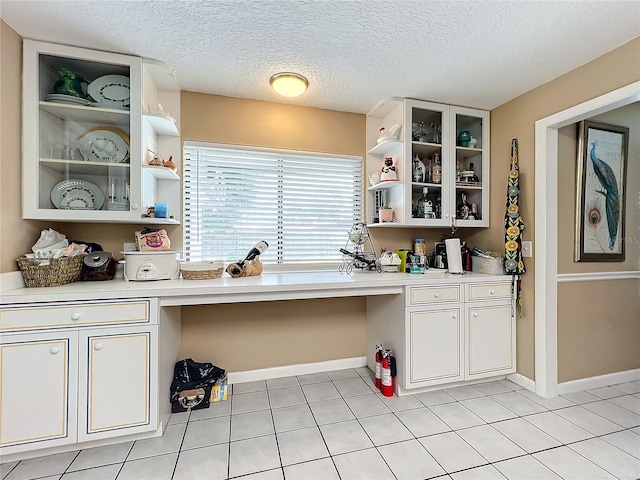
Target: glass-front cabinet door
point(81, 134)
point(427, 200)
point(470, 130)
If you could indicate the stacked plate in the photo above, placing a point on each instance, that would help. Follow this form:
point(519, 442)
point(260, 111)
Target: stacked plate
point(76, 194)
point(68, 99)
point(104, 144)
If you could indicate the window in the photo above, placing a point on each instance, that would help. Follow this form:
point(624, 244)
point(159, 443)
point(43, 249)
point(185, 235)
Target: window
point(302, 204)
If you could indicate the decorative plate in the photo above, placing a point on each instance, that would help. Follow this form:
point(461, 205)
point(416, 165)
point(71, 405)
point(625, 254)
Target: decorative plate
point(76, 194)
point(110, 90)
point(104, 144)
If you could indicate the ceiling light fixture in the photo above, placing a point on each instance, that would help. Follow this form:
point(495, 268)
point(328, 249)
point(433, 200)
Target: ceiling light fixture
point(289, 84)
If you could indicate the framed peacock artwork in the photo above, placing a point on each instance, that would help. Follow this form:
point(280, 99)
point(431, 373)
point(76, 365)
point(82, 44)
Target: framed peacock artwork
point(600, 198)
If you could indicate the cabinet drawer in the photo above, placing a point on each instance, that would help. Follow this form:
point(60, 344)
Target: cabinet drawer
point(488, 291)
point(436, 294)
point(46, 316)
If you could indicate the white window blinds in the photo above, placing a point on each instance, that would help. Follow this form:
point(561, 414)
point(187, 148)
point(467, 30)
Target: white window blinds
point(302, 204)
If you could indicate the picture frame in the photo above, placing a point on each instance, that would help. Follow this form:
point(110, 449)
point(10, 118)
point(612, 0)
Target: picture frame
point(600, 194)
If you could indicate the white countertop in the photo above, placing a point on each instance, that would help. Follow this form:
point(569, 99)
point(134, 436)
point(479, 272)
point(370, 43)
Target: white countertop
point(265, 287)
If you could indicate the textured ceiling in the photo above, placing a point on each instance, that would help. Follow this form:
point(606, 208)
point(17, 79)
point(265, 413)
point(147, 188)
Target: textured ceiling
point(354, 53)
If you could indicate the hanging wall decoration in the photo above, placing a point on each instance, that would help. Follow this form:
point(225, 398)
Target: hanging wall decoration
point(600, 198)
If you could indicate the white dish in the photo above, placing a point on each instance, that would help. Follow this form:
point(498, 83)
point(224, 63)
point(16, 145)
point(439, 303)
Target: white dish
point(76, 194)
point(111, 90)
point(103, 145)
point(60, 98)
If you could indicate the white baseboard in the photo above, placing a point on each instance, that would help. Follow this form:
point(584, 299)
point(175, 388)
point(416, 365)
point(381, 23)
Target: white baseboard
point(299, 369)
point(599, 381)
point(524, 382)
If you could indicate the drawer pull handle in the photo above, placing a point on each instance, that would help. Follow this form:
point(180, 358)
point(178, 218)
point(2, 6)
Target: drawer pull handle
point(475, 315)
point(54, 350)
point(75, 316)
point(97, 346)
point(436, 295)
point(492, 292)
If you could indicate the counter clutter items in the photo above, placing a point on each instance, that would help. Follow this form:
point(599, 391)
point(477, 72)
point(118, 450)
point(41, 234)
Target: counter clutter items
point(251, 265)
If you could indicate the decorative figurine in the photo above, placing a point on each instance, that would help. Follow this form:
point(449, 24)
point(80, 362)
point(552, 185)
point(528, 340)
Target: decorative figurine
point(388, 170)
point(69, 83)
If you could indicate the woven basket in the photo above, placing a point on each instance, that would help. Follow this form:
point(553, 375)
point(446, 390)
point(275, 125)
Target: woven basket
point(201, 274)
point(205, 270)
point(59, 271)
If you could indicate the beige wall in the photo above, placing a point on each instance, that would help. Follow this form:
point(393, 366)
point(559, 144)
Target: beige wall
point(16, 235)
point(516, 119)
point(601, 317)
point(268, 334)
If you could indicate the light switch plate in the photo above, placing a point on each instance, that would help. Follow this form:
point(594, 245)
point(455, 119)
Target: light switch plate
point(527, 248)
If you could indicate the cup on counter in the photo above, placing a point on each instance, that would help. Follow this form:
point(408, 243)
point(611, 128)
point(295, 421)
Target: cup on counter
point(161, 210)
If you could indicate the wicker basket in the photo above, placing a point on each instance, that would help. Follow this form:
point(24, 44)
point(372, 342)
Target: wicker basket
point(59, 271)
point(207, 270)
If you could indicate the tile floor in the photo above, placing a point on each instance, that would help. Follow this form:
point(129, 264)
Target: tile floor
point(335, 425)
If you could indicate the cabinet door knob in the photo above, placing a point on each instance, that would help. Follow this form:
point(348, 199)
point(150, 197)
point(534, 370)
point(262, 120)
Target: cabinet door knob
point(492, 292)
point(54, 350)
point(454, 316)
point(134, 206)
point(475, 315)
point(97, 346)
point(436, 295)
point(75, 316)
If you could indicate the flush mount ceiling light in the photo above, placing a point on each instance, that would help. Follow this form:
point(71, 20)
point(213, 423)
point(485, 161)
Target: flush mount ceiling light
point(289, 84)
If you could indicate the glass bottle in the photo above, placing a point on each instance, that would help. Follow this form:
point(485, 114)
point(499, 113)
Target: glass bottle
point(425, 206)
point(436, 172)
point(434, 134)
point(474, 177)
point(463, 208)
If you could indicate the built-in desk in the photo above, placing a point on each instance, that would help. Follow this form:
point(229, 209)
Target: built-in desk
point(443, 328)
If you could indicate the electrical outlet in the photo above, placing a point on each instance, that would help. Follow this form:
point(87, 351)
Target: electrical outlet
point(527, 249)
point(129, 247)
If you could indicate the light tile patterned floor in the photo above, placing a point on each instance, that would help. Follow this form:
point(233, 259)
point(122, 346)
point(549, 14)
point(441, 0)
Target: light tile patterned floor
point(336, 425)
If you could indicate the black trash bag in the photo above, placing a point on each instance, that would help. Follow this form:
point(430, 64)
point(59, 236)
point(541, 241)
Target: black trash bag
point(192, 383)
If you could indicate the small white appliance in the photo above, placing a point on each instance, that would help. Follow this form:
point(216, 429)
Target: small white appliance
point(141, 266)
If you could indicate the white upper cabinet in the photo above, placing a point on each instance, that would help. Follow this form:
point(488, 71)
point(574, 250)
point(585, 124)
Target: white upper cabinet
point(441, 160)
point(83, 137)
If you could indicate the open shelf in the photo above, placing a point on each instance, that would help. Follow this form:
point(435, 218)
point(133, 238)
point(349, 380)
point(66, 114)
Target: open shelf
point(162, 124)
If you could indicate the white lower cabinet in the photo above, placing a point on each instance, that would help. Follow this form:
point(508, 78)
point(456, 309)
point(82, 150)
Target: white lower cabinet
point(445, 333)
point(490, 340)
point(72, 385)
point(38, 390)
point(434, 339)
point(117, 384)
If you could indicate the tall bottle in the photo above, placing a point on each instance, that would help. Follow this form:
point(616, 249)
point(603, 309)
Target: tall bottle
point(259, 248)
point(436, 172)
point(425, 206)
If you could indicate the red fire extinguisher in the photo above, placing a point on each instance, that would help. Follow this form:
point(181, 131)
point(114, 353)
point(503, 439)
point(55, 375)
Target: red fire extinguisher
point(388, 373)
point(378, 376)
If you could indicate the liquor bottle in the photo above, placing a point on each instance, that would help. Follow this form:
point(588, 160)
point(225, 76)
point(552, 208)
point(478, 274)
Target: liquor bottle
point(438, 208)
point(436, 173)
point(463, 208)
point(474, 177)
point(425, 206)
point(259, 248)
